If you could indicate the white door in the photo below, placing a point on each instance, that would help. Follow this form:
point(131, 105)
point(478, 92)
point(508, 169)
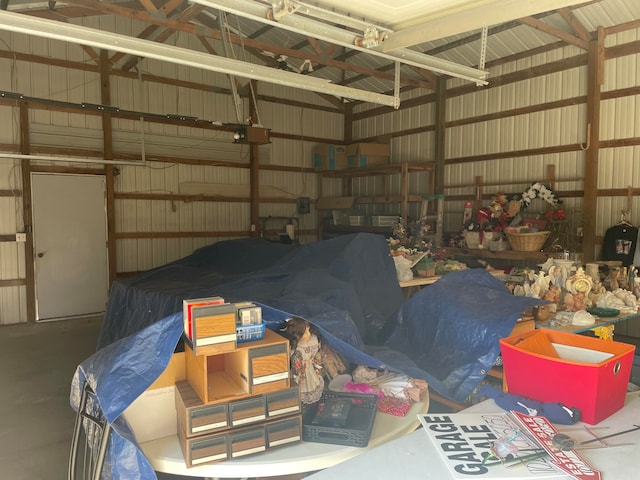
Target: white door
point(70, 245)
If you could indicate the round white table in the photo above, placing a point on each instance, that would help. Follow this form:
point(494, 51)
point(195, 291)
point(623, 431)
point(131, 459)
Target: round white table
point(165, 455)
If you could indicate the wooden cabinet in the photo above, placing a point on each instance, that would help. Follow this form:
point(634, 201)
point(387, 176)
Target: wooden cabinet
point(238, 402)
point(253, 368)
point(389, 184)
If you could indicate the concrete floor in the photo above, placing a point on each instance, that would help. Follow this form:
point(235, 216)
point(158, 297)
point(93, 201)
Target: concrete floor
point(37, 364)
point(36, 421)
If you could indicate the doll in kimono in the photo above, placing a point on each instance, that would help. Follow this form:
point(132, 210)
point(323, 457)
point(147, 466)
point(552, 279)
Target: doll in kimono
point(306, 359)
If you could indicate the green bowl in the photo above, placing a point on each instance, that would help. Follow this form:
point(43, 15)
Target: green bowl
point(603, 311)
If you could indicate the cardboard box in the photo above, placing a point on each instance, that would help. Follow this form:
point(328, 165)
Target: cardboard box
point(368, 154)
point(329, 157)
point(576, 370)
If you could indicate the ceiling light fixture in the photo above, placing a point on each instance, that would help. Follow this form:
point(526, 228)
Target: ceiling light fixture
point(19, 23)
point(323, 31)
point(50, 158)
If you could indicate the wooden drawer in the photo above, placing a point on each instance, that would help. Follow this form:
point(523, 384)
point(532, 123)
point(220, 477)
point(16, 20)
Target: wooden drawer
point(247, 411)
point(239, 442)
point(214, 329)
point(284, 431)
point(203, 449)
point(247, 441)
point(269, 368)
point(196, 417)
point(283, 402)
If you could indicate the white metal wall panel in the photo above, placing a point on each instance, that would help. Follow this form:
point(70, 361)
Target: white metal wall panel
point(12, 259)
point(12, 305)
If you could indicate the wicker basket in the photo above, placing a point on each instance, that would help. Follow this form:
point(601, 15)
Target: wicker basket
point(472, 239)
point(527, 242)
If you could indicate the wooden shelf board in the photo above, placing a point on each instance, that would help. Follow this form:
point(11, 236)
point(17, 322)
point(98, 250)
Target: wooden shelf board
point(357, 228)
point(379, 170)
point(505, 254)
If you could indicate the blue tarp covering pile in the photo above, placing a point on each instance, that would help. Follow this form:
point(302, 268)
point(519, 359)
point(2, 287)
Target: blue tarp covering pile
point(346, 279)
point(446, 334)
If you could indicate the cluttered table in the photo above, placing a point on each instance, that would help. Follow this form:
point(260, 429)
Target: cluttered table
point(603, 327)
point(152, 418)
point(413, 455)
point(415, 284)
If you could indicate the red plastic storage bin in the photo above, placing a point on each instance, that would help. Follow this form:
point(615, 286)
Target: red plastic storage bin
point(579, 371)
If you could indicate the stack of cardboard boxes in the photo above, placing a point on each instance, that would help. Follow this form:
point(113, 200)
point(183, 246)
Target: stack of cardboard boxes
point(356, 155)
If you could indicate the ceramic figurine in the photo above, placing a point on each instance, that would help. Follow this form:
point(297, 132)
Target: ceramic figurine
point(306, 359)
point(580, 282)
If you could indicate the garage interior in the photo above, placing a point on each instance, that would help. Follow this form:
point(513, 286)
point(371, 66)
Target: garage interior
point(197, 121)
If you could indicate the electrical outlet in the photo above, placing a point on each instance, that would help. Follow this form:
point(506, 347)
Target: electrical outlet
point(21, 237)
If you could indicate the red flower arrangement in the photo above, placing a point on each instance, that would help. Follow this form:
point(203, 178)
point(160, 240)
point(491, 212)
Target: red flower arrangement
point(556, 214)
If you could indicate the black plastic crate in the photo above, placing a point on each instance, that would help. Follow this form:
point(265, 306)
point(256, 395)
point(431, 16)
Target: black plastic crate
point(350, 423)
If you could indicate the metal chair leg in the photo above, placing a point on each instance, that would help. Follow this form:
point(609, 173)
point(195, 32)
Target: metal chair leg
point(96, 432)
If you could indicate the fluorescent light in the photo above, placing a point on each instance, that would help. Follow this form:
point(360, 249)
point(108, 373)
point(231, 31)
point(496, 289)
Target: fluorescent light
point(67, 32)
point(473, 17)
point(50, 158)
point(322, 31)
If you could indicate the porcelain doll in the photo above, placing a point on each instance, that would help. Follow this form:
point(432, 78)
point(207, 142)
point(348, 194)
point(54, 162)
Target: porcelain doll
point(306, 359)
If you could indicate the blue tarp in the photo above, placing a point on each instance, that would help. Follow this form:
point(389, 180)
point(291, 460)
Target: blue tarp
point(451, 330)
point(350, 278)
point(446, 334)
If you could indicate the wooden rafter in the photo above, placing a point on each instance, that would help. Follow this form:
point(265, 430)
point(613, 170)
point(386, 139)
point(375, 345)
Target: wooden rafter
point(562, 35)
point(177, 25)
point(577, 26)
point(148, 5)
point(188, 14)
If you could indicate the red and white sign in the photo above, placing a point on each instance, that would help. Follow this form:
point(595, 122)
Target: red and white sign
point(567, 461)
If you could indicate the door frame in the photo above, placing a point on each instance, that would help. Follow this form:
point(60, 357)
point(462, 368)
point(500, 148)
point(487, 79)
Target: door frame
point(27, 169)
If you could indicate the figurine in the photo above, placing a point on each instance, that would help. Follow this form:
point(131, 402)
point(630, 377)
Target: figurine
point(306, 359)
point(580, 282)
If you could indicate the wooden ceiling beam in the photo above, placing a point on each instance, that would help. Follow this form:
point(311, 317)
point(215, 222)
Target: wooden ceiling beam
point(577, 26)
point(553, 31)
point(188, 14)
point(148, 5)
point(142, 16)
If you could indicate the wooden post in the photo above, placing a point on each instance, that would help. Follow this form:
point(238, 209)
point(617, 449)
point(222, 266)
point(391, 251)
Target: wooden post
point(440, 131)
point(107, 149)
point(27, 214)
point(254, 170)
point(590, 201)
point(404, 188)
point(477, 203)
point(348, 124)
point(550, 176)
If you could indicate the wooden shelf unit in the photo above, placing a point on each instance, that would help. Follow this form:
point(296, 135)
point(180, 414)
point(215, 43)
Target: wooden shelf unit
point(403, 198)
point(532, 258)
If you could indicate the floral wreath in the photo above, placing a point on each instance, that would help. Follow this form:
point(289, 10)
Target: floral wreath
point(539, 190)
